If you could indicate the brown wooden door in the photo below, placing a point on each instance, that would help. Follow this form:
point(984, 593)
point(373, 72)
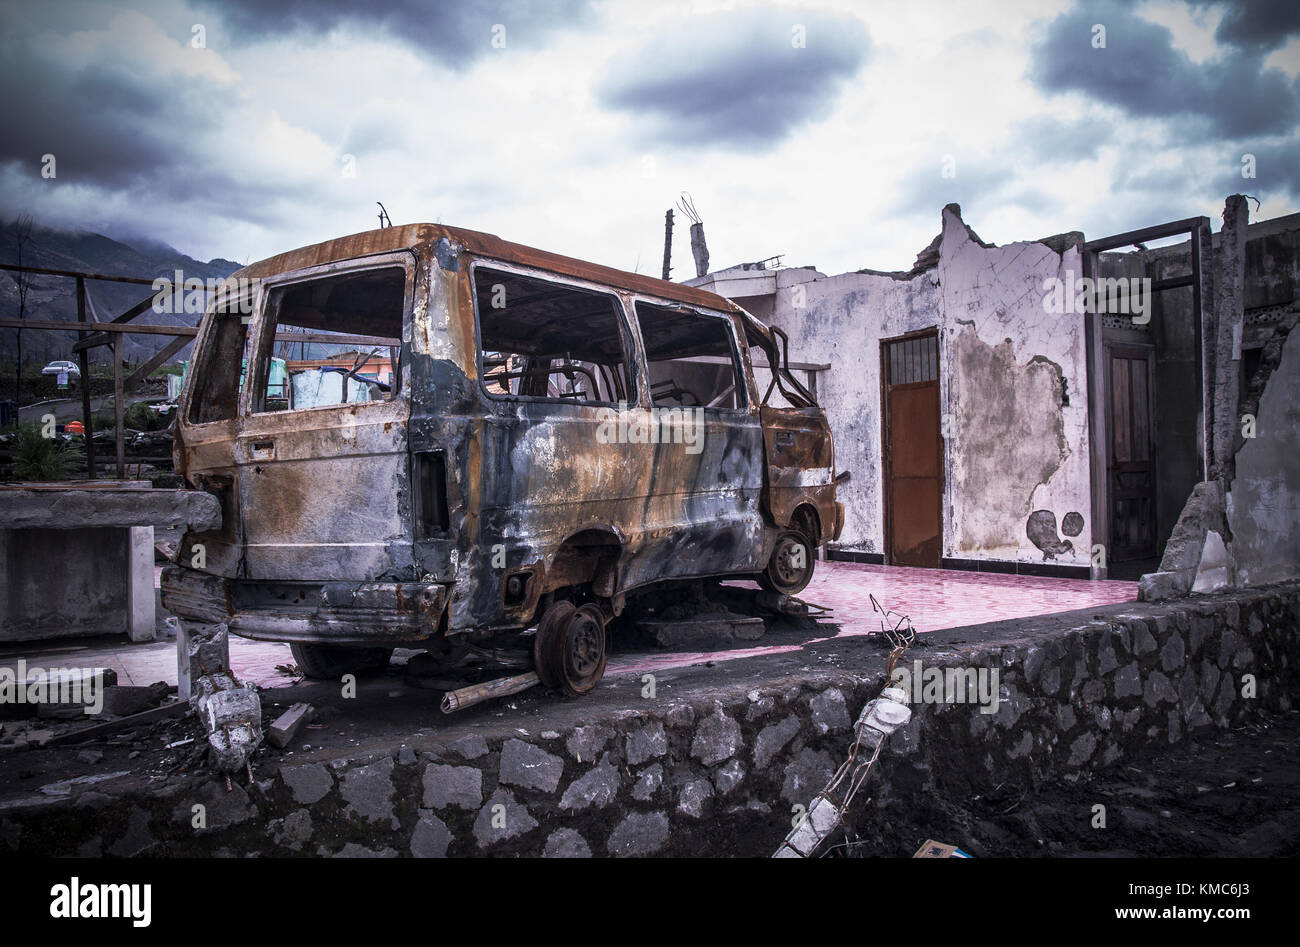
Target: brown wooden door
point(1131, 455)
point(913, 450)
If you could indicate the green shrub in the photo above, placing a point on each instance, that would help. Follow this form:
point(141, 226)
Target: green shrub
point(138, 417)
point(43, 458)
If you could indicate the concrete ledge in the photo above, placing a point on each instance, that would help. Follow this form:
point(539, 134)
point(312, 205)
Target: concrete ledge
point(715, 762)
point(74, 508)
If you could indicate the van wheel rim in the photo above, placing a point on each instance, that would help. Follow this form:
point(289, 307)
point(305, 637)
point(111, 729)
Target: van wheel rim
point(787, 570)
point(579, 655)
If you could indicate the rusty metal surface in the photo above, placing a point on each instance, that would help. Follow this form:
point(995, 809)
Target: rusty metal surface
point(416, 237)
point(327, 496)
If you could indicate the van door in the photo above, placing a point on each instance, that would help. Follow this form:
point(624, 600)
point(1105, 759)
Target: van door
point(704, 499)
point(321, 450)
point(797, 444)
point(555, 490)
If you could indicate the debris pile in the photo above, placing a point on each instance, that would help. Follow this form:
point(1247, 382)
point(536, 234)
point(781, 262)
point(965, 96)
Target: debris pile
point(232, 714)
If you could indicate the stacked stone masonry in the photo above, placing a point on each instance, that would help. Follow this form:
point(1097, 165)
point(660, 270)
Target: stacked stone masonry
point(723, 776)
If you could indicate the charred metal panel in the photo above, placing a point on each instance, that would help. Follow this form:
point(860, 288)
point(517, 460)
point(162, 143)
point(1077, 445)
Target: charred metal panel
point(331, 612)
point(800, 466)
point(326, 493)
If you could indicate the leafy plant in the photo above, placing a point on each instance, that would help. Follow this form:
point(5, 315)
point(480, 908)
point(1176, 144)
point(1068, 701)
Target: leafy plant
point(43, 458)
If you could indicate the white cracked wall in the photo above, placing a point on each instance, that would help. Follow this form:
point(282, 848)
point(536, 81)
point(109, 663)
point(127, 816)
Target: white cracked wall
point(1005, 364)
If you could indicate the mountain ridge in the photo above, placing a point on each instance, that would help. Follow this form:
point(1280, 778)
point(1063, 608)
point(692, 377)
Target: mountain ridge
point(54, 298)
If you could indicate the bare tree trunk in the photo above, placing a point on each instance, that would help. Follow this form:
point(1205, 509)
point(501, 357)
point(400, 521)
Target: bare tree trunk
point(22, 231)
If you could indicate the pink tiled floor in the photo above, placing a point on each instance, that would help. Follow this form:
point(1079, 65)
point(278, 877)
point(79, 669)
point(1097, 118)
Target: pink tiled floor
point(934, 599)
point(942, 598)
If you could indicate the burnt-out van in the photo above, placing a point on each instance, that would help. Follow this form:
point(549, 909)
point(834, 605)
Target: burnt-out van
point(421, 432)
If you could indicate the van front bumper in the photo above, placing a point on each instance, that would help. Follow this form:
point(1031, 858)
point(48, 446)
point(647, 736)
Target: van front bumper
point(365, 613)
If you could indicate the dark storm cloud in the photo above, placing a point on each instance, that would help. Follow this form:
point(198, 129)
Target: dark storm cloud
point(1276, 169)
point(104, 126)
point(1141, 72)
point(1263, 24)
point(113, 134)
point(454, 33)
point(737, 79)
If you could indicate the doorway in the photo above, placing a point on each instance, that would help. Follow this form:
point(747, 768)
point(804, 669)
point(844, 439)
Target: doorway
point(1131, 466)
point(913, 498)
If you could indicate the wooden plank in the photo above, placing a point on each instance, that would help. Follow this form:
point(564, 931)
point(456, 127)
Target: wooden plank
point(119, 406)
point(176, 709)
point(159, 358)
point(81, 277)
point(99, 327)
point(142, 306)
point(85, 384)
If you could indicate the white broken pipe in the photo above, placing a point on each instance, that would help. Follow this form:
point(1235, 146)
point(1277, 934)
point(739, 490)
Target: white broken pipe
point(699, 249)
point(456, 700)
point(879, 718)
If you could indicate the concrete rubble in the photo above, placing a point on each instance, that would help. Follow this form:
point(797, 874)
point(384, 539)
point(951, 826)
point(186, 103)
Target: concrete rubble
point(232, 715)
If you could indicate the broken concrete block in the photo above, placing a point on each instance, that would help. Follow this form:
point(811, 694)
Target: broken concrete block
point(124, 700)
point(285, 728)
point(232, 714)
point(1158, 586)
point(200, 647)
point(702, 632)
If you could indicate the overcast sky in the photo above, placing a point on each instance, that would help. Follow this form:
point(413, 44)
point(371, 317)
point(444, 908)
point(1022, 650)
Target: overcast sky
point(241, 129)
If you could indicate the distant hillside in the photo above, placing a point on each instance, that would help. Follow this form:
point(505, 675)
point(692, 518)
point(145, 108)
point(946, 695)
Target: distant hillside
point(54, 297)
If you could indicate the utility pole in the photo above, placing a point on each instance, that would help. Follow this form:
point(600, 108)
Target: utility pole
point(668, 242)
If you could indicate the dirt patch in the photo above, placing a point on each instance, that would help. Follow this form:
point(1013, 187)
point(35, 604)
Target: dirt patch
point(1227, 793)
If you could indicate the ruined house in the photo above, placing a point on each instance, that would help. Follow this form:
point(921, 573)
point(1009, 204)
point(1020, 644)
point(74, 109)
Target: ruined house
point(991, 422)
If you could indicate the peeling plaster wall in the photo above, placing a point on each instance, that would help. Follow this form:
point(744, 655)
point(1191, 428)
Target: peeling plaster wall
point(842, 322)
point(1005, 366)
point(1264, 500)
point(1015, 447)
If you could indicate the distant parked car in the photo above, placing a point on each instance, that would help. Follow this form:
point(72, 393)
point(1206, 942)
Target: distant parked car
point(56, 368)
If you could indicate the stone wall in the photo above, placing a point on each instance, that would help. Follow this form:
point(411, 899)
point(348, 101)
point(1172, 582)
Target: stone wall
point(723, 775)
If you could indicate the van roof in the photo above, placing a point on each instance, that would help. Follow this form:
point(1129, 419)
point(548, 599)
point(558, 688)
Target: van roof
point(412, 236)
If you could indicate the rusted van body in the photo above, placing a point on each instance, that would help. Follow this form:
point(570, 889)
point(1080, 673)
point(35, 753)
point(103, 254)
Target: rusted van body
point(517, 455)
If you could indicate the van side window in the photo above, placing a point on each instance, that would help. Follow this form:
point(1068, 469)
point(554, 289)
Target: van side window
point(691, 356)
point(550, 341)
point(219, 368)
point(331, 341)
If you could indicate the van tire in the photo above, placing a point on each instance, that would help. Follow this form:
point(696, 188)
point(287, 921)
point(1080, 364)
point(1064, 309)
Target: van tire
point(323, 662)
point(782, 575)
point(571, 647)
